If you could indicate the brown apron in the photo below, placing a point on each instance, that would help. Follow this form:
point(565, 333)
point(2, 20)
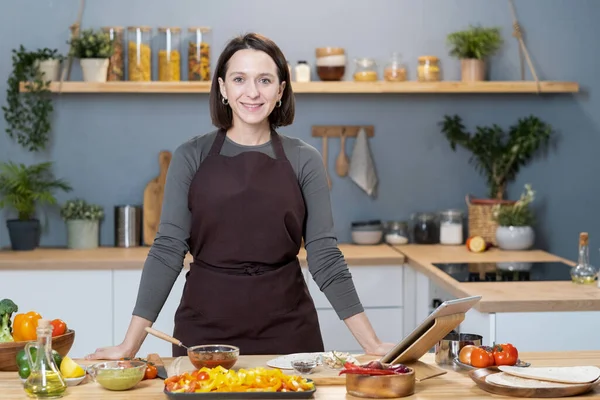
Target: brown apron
point(245, 286)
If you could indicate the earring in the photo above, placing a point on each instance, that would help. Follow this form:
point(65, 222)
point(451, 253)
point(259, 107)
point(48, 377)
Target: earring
point(278, 103)
point(224, 101)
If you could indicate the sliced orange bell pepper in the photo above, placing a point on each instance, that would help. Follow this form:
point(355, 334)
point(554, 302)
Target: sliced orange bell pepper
point(25, 325)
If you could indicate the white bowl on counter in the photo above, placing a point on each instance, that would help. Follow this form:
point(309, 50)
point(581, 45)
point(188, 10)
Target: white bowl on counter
point(367, 232)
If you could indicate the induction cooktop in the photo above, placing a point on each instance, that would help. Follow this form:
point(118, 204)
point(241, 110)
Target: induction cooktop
point(507, 271)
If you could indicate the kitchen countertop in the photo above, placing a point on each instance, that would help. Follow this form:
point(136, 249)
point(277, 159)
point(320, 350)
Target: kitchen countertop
point(503, 296)
point(133, 258)
point(455, 385)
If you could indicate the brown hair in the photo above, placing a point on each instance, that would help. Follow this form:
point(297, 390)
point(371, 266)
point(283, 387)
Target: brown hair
point(220, 113)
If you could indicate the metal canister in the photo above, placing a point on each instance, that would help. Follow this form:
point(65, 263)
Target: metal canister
point(128, 226)
point(447, 349)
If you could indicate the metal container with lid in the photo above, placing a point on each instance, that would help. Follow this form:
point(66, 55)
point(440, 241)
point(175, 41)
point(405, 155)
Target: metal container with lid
point(128, 226)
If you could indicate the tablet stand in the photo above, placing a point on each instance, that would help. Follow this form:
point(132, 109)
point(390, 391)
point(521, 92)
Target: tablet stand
point(440, 328)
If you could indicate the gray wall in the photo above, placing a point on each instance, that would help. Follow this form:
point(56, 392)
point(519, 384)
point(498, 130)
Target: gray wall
point(107, 145)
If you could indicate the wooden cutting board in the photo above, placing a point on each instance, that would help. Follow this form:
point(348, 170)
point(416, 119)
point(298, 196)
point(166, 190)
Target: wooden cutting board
point(321, 375)
point(153, 197)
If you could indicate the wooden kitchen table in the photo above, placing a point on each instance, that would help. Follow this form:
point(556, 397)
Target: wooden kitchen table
point(453, 385)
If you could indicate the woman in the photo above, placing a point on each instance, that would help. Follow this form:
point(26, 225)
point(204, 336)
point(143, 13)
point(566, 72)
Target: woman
point(240, 200)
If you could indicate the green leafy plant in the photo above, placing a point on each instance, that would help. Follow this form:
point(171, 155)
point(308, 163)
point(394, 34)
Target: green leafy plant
point(517, 214)
point(91, 44)
point(476, 42)
point(28, 114)
point(79, 209)
point(498, 155)
point(24, 187)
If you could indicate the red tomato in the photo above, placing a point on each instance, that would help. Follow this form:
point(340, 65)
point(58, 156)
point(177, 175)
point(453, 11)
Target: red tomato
point(505, 354)
point(480, 358)
point(59, 327)
point(151, 372)
point(202, 376)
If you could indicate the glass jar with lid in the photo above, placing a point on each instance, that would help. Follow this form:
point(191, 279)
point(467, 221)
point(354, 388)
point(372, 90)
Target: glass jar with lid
point(139, 53)
point(429, 69)
point(395, 70)
point(396, 232)
point(451, 227)
point(116, 63)
point(169, 54)
point(199, 53)
point(365, 70)
point(425, 228)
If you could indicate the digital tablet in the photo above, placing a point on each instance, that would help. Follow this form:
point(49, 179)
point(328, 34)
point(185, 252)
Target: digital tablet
point(448, 307)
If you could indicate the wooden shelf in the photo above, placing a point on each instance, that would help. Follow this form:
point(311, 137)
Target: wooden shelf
point(326, 87)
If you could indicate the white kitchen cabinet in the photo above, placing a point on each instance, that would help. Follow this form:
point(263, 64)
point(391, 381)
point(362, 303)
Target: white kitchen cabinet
point(387, 322)
point(83, 299)
point(377, 286)
point(126, 284)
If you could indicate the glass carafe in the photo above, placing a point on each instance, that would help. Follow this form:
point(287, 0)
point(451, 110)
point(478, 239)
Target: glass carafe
point(45, 380)
point(583, 272)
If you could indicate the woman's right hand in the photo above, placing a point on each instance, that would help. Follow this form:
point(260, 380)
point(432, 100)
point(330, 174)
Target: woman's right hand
point(111, 353)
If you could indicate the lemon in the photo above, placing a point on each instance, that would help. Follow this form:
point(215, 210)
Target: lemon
point(70, 369)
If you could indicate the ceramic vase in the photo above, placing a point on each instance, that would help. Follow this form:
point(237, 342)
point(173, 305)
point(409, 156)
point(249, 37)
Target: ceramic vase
point(83, 234)
point(515, 237)
point(94, 69)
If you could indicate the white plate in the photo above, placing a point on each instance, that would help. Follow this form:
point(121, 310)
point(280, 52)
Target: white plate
point(285, 362)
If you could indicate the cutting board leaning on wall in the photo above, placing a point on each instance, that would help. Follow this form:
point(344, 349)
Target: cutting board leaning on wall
point(153, 198)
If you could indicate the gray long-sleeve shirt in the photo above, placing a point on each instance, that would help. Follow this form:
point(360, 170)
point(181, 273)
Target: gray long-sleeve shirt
point(326, 263)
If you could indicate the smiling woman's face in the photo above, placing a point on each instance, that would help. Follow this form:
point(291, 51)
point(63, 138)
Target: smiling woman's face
point(251, 86)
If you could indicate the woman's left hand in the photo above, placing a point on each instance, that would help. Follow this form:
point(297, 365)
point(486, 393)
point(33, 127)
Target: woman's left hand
point(381, 350)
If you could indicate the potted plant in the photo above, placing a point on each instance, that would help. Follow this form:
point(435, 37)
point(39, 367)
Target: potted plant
point(28, 114)
point(498, 156)
point(48, 63)
point(23, 188)
point(515, 223)
point(473, 47)
point(93, 48)
point(83, 223)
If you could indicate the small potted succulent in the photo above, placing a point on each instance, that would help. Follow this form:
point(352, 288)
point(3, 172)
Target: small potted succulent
point(24, 188)
point(515, 223)
point(83, 223)
point(473, 47)
point(93, 48)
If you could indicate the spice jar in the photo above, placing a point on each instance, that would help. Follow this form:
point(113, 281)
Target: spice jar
point(451, 227)
point(139, 53)
point(116, 63)
point(199, 53)
point(169, 54)
point(331, 63)
point(365, 70)
point(395, 71)
point(396, 232)
point(429, 69)
point(425, 230)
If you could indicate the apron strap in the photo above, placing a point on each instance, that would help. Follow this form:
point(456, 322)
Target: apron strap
point(215, 149)
point(278, 146)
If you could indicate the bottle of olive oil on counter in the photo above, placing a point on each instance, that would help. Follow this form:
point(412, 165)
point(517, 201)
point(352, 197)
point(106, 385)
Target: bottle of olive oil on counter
point(583, 272)
point(45, 380)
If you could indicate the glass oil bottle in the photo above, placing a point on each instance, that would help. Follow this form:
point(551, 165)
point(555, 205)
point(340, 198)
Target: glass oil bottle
point(583, 272)
point(45, 380)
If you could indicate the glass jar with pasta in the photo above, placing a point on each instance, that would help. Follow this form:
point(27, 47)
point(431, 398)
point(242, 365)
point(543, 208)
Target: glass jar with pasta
point(116, 66)
point(365, 70)
point(199, 53)
point(429, 69)
point(139, 53)
point(169, 54)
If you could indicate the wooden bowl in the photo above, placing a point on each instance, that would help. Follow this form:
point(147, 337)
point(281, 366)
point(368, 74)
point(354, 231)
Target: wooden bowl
point(8, 351)
point(381, 386)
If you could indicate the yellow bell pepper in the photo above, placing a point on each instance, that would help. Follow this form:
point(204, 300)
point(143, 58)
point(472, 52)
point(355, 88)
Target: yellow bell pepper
point(25, 325)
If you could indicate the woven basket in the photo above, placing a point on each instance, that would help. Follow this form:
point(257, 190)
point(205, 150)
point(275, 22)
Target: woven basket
point(481, 222)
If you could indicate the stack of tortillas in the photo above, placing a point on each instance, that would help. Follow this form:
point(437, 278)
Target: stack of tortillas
point(544, 377)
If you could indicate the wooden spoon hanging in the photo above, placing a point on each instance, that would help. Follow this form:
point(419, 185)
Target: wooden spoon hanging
point(342, 165)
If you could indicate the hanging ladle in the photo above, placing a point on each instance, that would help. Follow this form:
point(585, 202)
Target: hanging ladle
point(342, 163)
